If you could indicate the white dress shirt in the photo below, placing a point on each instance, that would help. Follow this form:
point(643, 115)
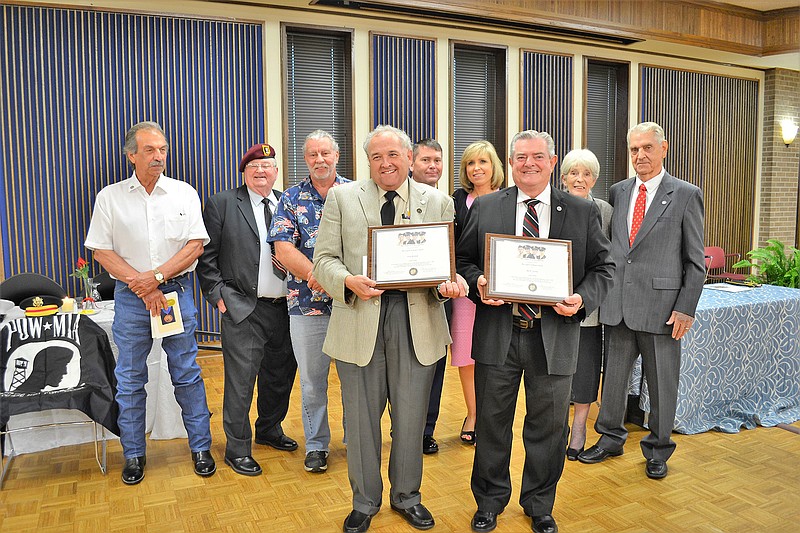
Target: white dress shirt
point(543, 209)
point(652, 186)
point(146, 230)
point(269, 285)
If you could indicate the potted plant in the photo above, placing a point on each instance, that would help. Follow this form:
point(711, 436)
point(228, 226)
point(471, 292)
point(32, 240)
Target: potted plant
point(774, 265)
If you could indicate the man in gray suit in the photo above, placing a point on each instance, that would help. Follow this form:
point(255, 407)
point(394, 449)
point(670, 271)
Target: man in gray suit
point(383, 351)
point(238, 276)
point(657, 245)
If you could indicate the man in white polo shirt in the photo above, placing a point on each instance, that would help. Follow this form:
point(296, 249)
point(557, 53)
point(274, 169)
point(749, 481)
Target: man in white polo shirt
point(148, 232)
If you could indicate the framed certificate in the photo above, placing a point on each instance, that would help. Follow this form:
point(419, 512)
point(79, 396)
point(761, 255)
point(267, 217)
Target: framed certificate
point(411, 255)
point(527, 269)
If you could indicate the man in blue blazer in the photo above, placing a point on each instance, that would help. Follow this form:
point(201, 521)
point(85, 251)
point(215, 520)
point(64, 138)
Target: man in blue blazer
point(543, 349)
point(657, 245)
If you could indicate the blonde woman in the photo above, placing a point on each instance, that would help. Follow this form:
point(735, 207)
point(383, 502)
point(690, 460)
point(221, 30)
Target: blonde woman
point(481, 173)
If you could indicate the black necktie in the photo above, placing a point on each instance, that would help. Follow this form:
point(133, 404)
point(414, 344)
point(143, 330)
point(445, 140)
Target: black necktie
point(387, 209)
point(277, 268)
point(530, 228)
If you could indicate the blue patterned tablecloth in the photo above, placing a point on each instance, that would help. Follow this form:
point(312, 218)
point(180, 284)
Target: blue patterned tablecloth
point(740, 363)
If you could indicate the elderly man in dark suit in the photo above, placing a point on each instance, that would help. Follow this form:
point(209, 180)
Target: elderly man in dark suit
point(657, 245)
point(518, 342)
point(240, 276)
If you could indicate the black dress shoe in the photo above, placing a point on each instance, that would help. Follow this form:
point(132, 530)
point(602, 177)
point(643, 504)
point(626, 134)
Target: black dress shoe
point(572, 453)
point(245, 465)
point(204, 464)
point(416, 515)
point(281, 442)
point(429, 445)
point(484, 521)
point(656, 469)
point(133, 472)
point(356, 522)
point(543, 524)
point(596, 454)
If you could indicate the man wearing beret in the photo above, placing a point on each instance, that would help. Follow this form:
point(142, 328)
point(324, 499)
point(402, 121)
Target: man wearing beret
point(240, 276)
point(147, 232)
point(294, 233)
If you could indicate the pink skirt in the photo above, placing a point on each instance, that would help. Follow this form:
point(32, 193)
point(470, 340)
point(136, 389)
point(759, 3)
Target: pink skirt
point(461, 331)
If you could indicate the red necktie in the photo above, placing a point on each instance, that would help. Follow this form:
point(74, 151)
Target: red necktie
point(638, 213)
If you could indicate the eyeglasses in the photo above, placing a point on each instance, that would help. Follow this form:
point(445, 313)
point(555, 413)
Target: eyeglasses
point(261, 166)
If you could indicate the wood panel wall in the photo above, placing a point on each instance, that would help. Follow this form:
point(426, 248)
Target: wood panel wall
point(694, 22)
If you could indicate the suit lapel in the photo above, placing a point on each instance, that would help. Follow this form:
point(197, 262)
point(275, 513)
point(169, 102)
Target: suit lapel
point(622, 203)
point(417, 202)
point(508, 211)
point(246, 208)
point(558, 212)
point(659, 204)
point(368, 197)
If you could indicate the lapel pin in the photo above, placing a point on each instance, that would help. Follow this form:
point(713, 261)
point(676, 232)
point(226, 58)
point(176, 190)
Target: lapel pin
point(419, 210)
point(558, 208)
point(663, 202)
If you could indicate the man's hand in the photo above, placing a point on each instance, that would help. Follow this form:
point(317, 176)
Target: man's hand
point(313, 284)
point(221, 306)
point(451, 289)
point(482, 283)
point(569, 305)
point(154, 301)
point(142, 283)
point(362, 286)
point(680, 324)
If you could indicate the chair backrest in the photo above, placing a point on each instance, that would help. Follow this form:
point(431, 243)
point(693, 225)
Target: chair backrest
point(106, 286)
point(717, 256)
point(21, 286)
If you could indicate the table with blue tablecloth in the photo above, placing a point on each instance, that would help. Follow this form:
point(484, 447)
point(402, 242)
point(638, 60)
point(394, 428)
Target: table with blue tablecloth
point(740, 362)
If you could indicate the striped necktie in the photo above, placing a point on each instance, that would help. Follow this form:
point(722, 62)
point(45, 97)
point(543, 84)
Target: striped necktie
point(530, 228)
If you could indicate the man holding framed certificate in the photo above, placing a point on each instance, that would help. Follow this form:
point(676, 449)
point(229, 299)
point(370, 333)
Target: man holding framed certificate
point(520, 341)
point(383, 350)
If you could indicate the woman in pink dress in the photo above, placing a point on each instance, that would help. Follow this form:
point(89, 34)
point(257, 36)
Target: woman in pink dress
point(481, 173)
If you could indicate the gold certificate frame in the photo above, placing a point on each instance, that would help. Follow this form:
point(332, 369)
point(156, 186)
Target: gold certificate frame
point(406, 256)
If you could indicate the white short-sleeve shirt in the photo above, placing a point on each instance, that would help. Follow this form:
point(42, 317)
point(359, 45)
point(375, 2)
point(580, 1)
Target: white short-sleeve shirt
point(146, 230)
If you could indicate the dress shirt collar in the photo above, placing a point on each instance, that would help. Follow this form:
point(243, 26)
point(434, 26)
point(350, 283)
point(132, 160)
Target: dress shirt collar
point(256, 198)
point(653, 183)
point(543, 197)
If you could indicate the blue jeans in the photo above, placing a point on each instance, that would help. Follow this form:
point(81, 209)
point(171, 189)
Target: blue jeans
point(308, 335)
point(132, 335)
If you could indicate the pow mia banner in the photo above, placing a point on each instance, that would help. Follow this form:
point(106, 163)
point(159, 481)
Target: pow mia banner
point(57, 362)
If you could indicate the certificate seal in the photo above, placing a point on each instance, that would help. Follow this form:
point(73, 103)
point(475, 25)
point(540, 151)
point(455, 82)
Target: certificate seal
point(532, 287)
point(413, 272)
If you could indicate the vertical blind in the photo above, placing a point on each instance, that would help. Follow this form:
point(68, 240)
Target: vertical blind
point(475, 109)
point(711, 124)
point(547, 100)
point(404, 84)
point(607, 122)
point(73, 82)
point(318, 96)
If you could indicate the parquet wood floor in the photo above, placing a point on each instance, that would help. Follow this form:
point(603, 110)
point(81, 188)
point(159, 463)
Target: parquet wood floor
point(743, 482)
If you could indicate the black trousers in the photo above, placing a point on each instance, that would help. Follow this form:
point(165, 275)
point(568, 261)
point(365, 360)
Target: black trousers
point(260, 348)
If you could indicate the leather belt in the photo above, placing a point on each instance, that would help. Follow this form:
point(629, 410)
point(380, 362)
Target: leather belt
point(521, 323)
point(278, 300)
point(177, 278)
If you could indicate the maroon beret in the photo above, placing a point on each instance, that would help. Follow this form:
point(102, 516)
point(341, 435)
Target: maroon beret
point(257, 151)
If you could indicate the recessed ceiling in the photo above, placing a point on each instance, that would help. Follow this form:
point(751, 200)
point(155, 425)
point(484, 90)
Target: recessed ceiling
point(762, 5)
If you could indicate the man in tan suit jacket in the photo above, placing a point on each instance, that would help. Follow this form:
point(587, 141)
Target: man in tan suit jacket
point(385, 343)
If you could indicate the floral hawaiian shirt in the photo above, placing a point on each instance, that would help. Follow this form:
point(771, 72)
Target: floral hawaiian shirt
point(296, 220)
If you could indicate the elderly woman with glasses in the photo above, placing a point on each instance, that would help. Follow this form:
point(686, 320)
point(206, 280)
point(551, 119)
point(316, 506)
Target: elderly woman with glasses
point(579, 172)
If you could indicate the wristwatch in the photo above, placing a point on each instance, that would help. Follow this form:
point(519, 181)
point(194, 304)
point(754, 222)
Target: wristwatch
point(159, 276)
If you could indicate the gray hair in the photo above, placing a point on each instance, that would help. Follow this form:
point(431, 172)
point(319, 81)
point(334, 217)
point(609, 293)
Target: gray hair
point(533, 134)
point(581, 157)
point(318, 135)
point(131, 146)
point(405, 140)
point(426, 143)
point(648, 127)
